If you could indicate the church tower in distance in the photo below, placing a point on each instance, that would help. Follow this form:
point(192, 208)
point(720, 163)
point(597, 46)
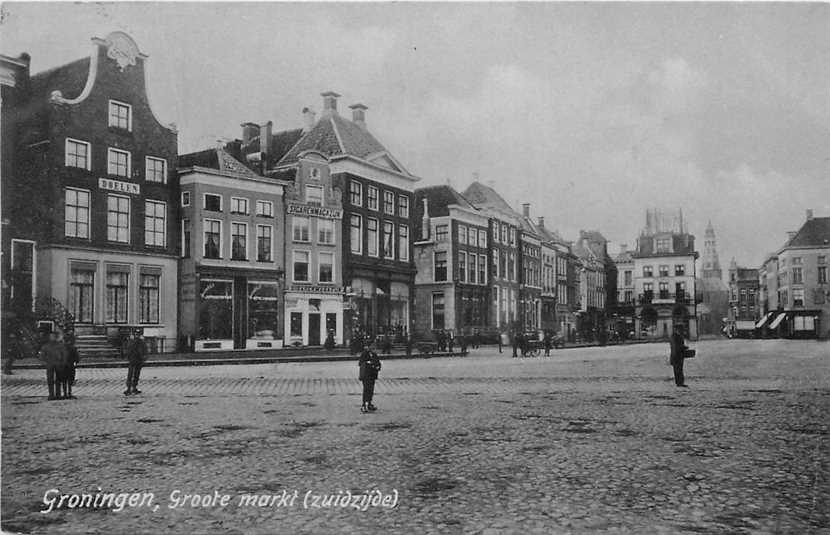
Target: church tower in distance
point(711, 264)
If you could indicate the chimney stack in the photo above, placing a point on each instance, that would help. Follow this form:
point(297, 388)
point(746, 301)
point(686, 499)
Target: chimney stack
point(265, 136)
point(309, 118)
point(526, 209)
point(249, 132)
point(623, 248)
point(541, 222)
point(329, 102)
point(359, 115)
point(809, 214)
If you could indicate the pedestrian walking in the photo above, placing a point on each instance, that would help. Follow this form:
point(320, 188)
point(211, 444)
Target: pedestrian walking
point(516, 341)
point(53, 355)
point(501, 340)
point(136, 353)
point(369, 364)
point(678, 349)
point(548, 342)
point(450, 342)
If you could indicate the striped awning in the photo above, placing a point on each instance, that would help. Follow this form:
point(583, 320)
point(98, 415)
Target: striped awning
point(778, 320)
point(763, 320)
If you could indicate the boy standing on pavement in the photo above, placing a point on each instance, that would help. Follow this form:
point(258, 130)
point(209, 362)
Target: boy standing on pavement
point(369, 367)
point(135, 360)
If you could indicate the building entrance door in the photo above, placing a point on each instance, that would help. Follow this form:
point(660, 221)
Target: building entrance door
point(314, 329)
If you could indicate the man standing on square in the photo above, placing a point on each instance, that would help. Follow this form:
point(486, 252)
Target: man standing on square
point(136, 353)
point(677, 355)
point(369, 367)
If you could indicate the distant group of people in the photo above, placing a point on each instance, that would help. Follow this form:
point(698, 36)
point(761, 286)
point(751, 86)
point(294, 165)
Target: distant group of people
point(521, 341)
point(447, 341)
point(61, 357)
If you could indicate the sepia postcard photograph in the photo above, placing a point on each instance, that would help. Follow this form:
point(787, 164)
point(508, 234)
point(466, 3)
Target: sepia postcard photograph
point(480, 268)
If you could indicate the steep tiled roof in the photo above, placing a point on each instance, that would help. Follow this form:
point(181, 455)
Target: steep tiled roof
point(439, 199)
point(281, 143)
point(624, 257)
point(204, 158)
point(548, 235)
point(592, 235)
point(481, 195)
point(530, 227)
point(218, 159)
point(333, 136)
point(585, 253)
point(814, 232)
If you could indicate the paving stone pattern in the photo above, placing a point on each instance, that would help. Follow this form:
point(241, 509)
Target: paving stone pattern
point(595, 440)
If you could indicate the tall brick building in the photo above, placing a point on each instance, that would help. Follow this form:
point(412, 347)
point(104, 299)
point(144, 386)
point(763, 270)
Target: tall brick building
point(795, 284)
point(664, 277)
point(452, 285)
point(373, 193)
point(231, 271)
point(96, 168)
point(505, 226)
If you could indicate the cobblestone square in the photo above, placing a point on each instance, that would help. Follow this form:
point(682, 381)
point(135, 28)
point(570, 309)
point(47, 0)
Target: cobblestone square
point(592, 440)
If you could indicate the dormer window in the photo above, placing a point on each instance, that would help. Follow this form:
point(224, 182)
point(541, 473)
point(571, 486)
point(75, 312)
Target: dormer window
point(663, 245)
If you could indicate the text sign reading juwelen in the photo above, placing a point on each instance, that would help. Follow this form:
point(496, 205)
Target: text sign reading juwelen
point(117, 185)
point(317, 211)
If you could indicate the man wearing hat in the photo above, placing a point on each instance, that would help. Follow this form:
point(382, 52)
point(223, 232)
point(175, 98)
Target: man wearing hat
point(369, 367)
point(54, 356)
point(136, 353)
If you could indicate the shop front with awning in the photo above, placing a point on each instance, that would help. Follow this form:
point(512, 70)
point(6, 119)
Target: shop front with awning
point(777, 321)
point(763, 321)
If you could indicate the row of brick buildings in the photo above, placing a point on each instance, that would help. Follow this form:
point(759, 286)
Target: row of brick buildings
point(282, 237)
point(789, 294)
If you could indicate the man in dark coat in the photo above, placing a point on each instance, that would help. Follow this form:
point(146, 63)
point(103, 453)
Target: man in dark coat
point(66, 375)
point(369, 364)
point(677, 355)
point(136, 353)
point(53, 354)
point(516, 343)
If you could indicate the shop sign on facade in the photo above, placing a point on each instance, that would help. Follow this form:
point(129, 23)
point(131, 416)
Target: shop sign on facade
point(117, 185)
point(316, 211)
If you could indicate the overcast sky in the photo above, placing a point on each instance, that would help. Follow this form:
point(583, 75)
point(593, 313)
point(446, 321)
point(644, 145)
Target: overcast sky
point(591, 112)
